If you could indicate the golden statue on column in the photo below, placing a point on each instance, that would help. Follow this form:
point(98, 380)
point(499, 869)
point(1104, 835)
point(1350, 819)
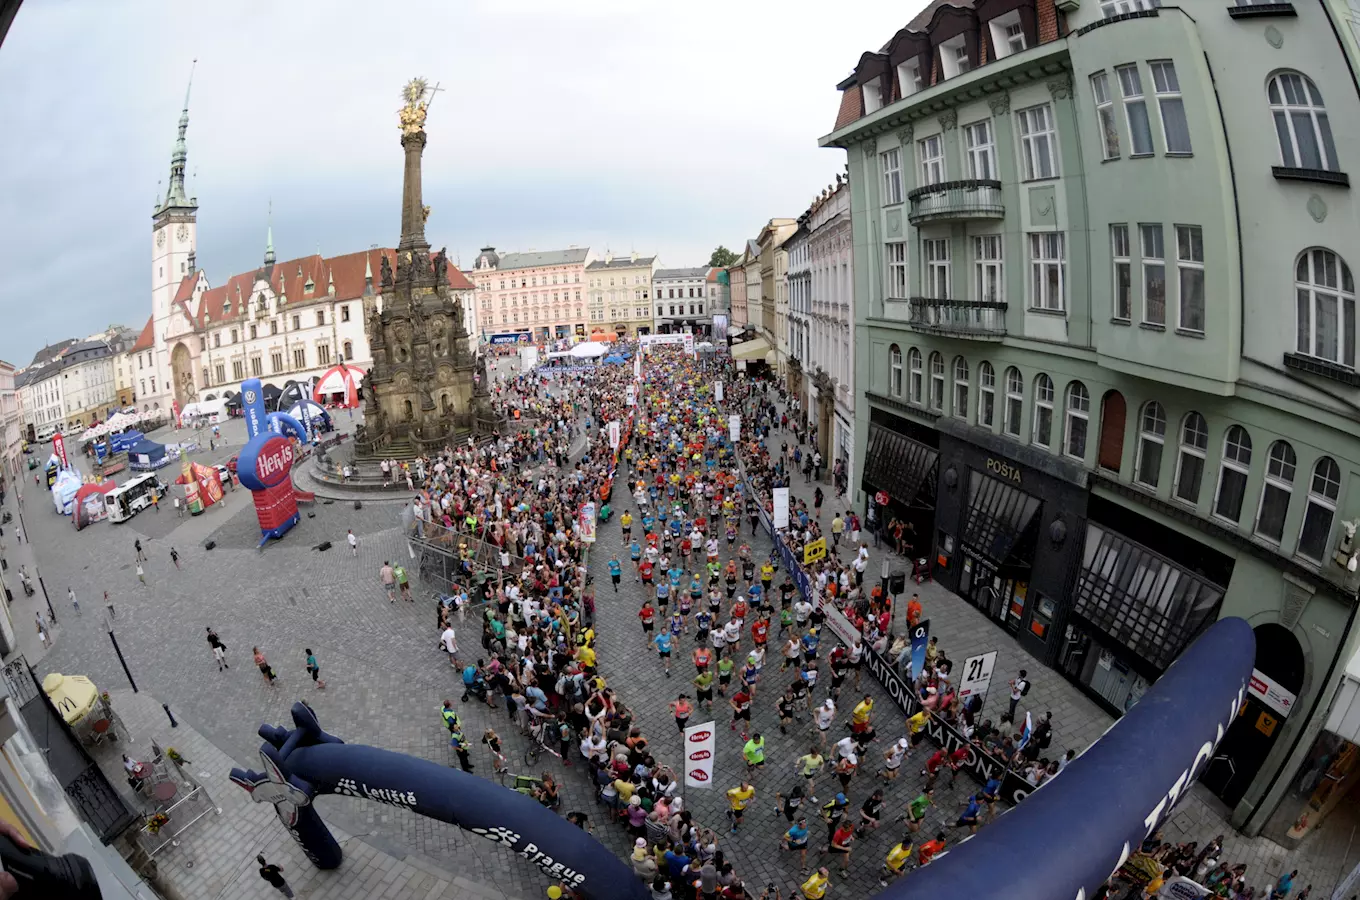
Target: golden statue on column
point(412, 114)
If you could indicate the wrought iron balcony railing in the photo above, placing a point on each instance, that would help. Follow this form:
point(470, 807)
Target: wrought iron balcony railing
point(969, 318)
point(972, 198)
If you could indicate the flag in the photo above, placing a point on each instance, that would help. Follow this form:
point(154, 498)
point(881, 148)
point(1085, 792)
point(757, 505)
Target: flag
point(1026, 733)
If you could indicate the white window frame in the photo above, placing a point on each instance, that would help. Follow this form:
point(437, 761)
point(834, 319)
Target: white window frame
point(930, 153)
point(895, 370)
point(1325, 501)
point(909, 80)
point(1280, 475)
point(937, 377)
point(915, 377)
point(980, 150)
point(936, 272)
point(1013, 416)
point(1315, 285)
point(962, 382)
point(1151, 432)
point(1135, 110)
point(989, 283)
point(1111, 8)
point(986, 413)
point(1044, 395)
point(1038, 143)
point(1234, 464)
point(1152, 255)
point(954, 57)
point(896, 269)
point(1189, 269)
point(1105, 121)
point(1121, 270)
point(872, 92)
point(890, 163)
point(1170, 104)
point(1305, 106)
point(1076, 406)
point(1047, 255)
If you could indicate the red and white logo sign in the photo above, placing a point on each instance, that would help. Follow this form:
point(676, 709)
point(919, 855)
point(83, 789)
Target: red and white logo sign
point(881, 498)
point(701, 746)
point(275, 461)
point(1272, 694)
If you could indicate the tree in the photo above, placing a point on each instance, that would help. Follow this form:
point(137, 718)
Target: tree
point(722, 258)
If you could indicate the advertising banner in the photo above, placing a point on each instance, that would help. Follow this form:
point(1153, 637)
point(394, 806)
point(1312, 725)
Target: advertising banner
point(720, 330)
point(814, 550)
point(977, 675)
point(781, 508)
point(59, 448)
point(701, 743)
point(587, 523)
point(630, 397)
point(614, 428)
point(510, 337)
point(637, 367)
point(718, 391)
point(252, 406)
point(191, 498)
point(920, 636)
point(1270, 692)
point(734, 428)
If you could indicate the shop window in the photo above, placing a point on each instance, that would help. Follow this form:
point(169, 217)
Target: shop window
point(998, 515)
point(1112, 414)
point(1151, 442)
point(895, 370)
point(1276, 492)
point(1323, 493)
point(1233, 474)
point(1077, 421)
point(1043, 410)
point(961, 387)
point(914, 369)
point(1190, 464)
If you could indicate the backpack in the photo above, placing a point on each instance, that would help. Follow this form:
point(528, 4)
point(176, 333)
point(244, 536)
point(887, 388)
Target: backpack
point(1024, 691)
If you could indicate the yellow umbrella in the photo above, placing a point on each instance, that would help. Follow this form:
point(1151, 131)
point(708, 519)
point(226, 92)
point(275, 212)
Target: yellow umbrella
point(73, 695)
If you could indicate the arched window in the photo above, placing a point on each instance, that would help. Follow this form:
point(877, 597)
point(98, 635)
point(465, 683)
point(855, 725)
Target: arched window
point(895, 370)
point(1190, 464)
point(1043, 411)
point(1325, 314)
point(1110, 450)
point(1151, 442)
point(1323, 493)
point(961, 387)
point(1233, 474)
point(914, 370)
point(349, 351)
point(986, 395)
point(936, 381)
point(1301, 124)
point(1276, 491)
point(1078, 420)
point(1015, 401)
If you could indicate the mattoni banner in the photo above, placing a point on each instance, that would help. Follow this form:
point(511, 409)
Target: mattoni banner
point(701, 743)
point(781, 508)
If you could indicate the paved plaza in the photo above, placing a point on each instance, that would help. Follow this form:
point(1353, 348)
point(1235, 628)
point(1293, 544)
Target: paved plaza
point(386, 680)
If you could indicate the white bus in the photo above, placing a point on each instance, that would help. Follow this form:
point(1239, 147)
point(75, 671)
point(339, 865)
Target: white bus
point(133, 496)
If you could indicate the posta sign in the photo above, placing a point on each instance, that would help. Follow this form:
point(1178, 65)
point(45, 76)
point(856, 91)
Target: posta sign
point(265, 463)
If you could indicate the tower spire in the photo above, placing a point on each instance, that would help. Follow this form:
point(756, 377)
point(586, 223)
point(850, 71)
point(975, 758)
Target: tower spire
point(176, 196)
point(269, 238)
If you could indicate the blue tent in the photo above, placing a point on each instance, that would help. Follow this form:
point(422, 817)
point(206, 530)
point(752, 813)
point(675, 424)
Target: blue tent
point(125, 440)
point(146, 455)
point(615, 359)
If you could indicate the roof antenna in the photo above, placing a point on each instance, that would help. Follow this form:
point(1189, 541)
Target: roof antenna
point(187, 90)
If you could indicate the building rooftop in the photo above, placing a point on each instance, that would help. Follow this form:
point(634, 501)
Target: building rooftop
point(622, 262)
point(692, 272)
point(535, 258)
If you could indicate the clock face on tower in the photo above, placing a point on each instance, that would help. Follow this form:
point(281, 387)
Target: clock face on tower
point(182, 232)
point(160, 238)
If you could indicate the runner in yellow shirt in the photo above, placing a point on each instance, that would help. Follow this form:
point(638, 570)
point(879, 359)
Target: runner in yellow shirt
point(738, 798)
point(896, 863)
point(860, 714)
point(815, 887)
point(917, 725)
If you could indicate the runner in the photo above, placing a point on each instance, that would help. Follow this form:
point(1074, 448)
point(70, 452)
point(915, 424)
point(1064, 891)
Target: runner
point(682, 709)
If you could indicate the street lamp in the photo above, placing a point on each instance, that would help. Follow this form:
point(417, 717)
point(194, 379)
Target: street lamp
point(108, 624)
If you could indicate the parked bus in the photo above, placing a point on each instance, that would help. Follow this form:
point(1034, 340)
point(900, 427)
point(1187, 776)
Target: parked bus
point(133, 496)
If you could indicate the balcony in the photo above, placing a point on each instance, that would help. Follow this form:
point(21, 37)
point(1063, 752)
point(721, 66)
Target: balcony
point(963, 318)
point(972, 198)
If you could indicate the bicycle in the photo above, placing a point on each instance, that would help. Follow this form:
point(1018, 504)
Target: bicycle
point(539, 732)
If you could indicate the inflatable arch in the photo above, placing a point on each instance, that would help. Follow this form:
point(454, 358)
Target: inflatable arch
point(305, 761)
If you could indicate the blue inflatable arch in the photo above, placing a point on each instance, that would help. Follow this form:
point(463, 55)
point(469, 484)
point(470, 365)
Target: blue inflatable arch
point(1066, 839)
point(305, 761)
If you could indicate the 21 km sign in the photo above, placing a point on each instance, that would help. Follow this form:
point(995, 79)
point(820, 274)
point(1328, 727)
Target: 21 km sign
point(977, 674)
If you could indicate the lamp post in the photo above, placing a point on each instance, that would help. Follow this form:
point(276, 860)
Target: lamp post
point(108, 624)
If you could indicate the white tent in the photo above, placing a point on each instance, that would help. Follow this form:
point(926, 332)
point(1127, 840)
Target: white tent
point(590, 350)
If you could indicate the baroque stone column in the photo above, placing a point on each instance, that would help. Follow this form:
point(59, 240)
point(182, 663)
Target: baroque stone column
point(412, 206)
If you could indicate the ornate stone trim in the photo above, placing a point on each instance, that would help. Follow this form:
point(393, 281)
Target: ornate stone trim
point(949, 119)
point(1061, 87)
point(870, 146)
point(1000, 104)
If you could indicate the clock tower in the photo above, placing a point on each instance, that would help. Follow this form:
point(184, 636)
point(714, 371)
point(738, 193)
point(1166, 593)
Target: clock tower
point(174, 237)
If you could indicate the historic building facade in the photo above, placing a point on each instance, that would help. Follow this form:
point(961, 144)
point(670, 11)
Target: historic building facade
point(682, 300)
point(538, 295)
point(620, 292)
point(1105, 331)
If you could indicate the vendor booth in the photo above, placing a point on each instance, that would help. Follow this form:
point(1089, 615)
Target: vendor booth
point(147, 455)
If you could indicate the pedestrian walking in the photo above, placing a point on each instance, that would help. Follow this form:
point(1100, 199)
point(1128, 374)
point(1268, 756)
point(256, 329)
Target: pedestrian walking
point(389, 581)
point(179, 509)
point(273, 874)
point(42, 631)
point(71, 595)
point(263, 665)
point(448, 642)
point(403, 583)
point(353, 542)
point(156, 501)
point(219, 649)
point(141, 574)
point(314, 668)
point(174, 557)
point(108, 605)
point(137, 545)
point(1019, 688)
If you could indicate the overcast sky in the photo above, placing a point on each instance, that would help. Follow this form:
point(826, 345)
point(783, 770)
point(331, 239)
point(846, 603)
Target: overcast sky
point(619, 124)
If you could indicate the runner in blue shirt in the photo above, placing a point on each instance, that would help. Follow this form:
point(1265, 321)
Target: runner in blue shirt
point(663, 649)
point(676, 573)
point(677, 625)
point(615, 573)
point(754, 592)
point(970, 816)
point(990, 791)
point(810, 642)
point(663, 594)
point(796, 838)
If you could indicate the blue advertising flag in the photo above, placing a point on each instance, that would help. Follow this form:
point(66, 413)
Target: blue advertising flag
point(920, 636)
point(252, 406)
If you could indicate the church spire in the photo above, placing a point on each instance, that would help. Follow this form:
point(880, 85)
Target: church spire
point(269, 238)
point(175, 196)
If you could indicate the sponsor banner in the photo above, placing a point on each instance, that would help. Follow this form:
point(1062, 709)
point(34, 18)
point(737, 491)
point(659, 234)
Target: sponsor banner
point(701, 742)
point(718, 391)
point(586, 525)
point(734, 428)
point(920, 637)
point(614, 435)
point(1269, 691)
point(637, 367)
point(510, 337)
point(252, 406)
point(977, 675)
point(781, 508)
point(630, 397)
point(814, 550)
point(59, 449)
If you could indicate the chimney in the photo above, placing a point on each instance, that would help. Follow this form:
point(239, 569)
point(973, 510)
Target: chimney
point(633, 256)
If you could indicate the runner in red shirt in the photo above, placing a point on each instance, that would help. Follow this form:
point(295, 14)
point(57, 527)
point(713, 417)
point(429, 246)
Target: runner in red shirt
point(956, 761)
point(930, 848)
point(702, 656)
point(760, 630)
point(648, 616)
point(645, 570)
point(936, 762)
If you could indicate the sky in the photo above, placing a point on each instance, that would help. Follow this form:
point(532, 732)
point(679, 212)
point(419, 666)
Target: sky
point(623, 125)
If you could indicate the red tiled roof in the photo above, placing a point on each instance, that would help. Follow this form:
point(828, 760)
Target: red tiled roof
point(851, 107)
point(146, 340)
point(186, 288)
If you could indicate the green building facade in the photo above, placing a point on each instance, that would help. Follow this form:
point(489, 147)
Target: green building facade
point(1106, 339)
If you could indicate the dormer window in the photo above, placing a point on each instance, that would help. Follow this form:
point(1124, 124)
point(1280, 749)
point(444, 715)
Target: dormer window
point(954, 56)
point(873, 95)
point(1008, 35)
point(909, 80)
point(309, 286)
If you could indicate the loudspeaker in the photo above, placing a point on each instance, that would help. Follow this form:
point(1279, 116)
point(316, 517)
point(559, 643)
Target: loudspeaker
point(210, 545)
point(358, 504)
point(311, 515)
point(324, 546)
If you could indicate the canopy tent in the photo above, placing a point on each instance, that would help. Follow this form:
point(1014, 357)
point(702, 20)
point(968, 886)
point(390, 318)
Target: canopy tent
point(122, 420)
point(341, 380)
point(295, 392)
point(89, 506)
point(616, 359)
point(271, 393)
point(66, 484)
point(146, 455)
point(321, 420)
point(234, 403)
point(589, 350)
point(754, 349)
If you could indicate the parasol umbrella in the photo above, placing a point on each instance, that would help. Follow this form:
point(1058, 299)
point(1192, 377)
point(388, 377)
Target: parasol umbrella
point(73, 695)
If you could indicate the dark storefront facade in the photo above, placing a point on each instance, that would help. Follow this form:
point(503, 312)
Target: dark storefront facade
point(901, 465)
